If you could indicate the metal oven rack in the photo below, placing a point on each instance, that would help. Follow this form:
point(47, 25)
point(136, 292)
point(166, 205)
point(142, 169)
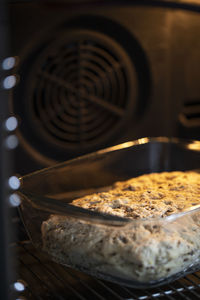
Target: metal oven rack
point(44, 280)
point(48, 280)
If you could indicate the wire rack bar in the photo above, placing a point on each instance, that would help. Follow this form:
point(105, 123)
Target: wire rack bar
point(78, 281)
point(51, 277)
point(48, 280)
point(30, 276)
point(109, 289)
point(178, 291)
point(192, 287)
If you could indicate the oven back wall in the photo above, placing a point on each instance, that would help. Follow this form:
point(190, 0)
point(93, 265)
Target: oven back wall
point(99, 74)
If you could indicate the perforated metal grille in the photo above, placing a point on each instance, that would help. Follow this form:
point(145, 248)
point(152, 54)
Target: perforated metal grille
point(82, 88)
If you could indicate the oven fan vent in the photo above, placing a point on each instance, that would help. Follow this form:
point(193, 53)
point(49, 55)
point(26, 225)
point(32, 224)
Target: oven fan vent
point(80, 89)
point(190, 115)
point(83, 89)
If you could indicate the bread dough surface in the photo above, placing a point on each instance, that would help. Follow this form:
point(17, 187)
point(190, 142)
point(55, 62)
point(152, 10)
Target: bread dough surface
point(147, 249)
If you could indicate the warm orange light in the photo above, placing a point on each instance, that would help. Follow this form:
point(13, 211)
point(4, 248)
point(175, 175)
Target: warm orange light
point(194, 146)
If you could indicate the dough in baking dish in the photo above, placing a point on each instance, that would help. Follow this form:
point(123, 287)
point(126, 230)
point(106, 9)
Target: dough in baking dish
point(150, 248)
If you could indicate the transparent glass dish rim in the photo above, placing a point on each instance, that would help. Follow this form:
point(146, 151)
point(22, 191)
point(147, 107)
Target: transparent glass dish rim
point(63, 208)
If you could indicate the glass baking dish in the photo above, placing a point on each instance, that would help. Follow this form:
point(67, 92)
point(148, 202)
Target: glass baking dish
point(140, 253)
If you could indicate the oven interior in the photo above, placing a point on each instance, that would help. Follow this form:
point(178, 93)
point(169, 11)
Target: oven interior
point(87, 75)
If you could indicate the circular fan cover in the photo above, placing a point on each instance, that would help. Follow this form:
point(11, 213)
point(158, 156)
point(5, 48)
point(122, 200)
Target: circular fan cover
point(83, 90)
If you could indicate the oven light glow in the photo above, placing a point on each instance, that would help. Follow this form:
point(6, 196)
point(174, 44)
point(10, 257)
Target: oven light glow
point(19, 286)
point(8, 63)
point(9, 82)
point(11, 123)
point(143, 141)
point(14, 182)
point(11, 142)
point(156, 295)
point(167, 292)
point(194, 146)
point(14, 200)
